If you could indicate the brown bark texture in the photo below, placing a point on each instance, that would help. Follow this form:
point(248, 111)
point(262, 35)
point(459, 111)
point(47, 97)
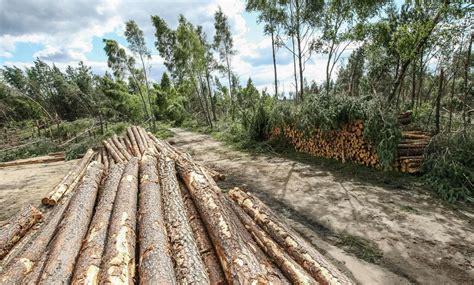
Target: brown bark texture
point(45, 159)
point(16, 227)
point(208, 254)
point(88, 264)
point(155, 265)
point(75, 174)
point(138, 138)
point(189, 266)
point(112, 152)
point(299, 249)
point(121, 147)
point(118, 262)
point(133, 142)
point(73, 228)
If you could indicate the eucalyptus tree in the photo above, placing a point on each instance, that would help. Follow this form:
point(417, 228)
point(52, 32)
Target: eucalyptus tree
point(136, 42)
point(210, 66)
point(121, 64)
point(223, 44)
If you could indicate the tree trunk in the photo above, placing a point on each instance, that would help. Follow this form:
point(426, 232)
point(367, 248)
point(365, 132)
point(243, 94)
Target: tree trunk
point(88, 264)
point(118, 261)
point(292, 270)
point(413, 86)
point(213, 103)
point(121, 148)
point(294, 71)
point(453, 85)
point(16, 227)
point(188, 264)
point(299, 249)
point(144, 137)
point(114, 153)
point(466, 88)
point(138, 138)
point(232, 107)
point(74, 175)
point(133, 141)
point(438, 101)
point(155, 261)
point(300, 56)
point(73, 228)
point(274, 64)
point(152, 117)
point(204, 244)
point(237, 258)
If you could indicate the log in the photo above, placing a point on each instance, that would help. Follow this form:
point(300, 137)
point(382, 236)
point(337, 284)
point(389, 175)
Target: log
point(105, 158)
point(138, 139)
point(121, 147)
point(16, 227)
point(189, 266)
point(128, 145)
point(299, 249)
point(118, 261)
point(155, 265)
point(73, 176)
point(31, 253)
point(144, 137)
point(116, 149)
point(292, 270)
point(204, 244)
point(73, 228)
point(112, 152)
point(237, 258)
point(133, 141)
point(88, 264)
point(36, 160)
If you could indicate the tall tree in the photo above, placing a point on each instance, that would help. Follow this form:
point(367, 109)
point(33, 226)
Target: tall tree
point(223, 43)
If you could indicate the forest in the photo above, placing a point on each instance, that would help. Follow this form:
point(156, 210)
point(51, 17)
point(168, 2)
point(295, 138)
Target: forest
point(411, 62)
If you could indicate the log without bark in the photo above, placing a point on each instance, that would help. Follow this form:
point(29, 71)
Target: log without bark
point(16, 228)
point(155, 262)
point(43, 159)
point(88, 264)
point(189, 266)
point(133, 142)
point(121, 147)
point(73, 176)
point(118, 262)
point(112, 152)
point(138, 139)
point(31, 253)
point(238, 260)
point(67, 242)
point(302, 252)
point(292, 270)
point(208, 254)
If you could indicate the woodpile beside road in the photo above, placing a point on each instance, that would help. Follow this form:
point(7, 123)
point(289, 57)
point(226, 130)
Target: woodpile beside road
point(139, 211)
point(348, 144)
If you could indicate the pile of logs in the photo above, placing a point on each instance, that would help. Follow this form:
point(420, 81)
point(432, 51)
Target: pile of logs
point(139, 211)
point(348, 144)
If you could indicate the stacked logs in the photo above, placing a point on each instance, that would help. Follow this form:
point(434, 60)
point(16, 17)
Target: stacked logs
point(139, 211)
point(348, 144)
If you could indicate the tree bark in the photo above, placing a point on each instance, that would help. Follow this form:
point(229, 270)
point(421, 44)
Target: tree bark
point(16, 227)
point(155, 261)
point(438, 102)
point(466, 88)
point(113, 152)
point(88, 264)
point(297, 248)
point(74, 175)
point(237, 258)
point(73, 228)
point(300, 56)
point(121, 148)
point(274, 64)
point(133, 141)
point(292, 270)
point(204, 244)
point(118, 262)
point(128, 146)
point(144, 137)
point(211, 98)
point(188, 264)
point(138, 138)
point(116, 149)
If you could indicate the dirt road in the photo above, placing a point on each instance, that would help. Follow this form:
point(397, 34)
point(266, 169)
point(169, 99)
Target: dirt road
point(27, 184)
point(422, 241)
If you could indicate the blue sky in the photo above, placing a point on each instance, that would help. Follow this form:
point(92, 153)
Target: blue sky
point(67, 32)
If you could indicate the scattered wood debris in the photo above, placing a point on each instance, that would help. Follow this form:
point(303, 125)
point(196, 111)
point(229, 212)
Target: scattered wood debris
point(139, 211)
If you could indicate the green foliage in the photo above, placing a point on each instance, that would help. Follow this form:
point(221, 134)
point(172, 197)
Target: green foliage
point(449, 166)
point(38, 148)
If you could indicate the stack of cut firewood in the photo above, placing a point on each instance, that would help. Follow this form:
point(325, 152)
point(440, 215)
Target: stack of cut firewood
point(140, 211)
point(348, 144)
point(410, 151)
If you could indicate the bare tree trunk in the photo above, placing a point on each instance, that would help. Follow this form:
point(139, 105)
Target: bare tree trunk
point(413, 86)
point(155, 264)
point(73, 229)
point(438, 101)
point(466, 88)
point(298, 41)
point(452, 98)
point(88, 264)
point(118, 262)
point(152, 117)
point(274, 64)
point(209, 88)
point(188, 263)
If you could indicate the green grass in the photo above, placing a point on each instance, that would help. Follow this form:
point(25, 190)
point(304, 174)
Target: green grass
point(360, 247)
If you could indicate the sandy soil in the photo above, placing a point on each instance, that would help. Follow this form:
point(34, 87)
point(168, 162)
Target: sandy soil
point(27, 184)
point(423, 241)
